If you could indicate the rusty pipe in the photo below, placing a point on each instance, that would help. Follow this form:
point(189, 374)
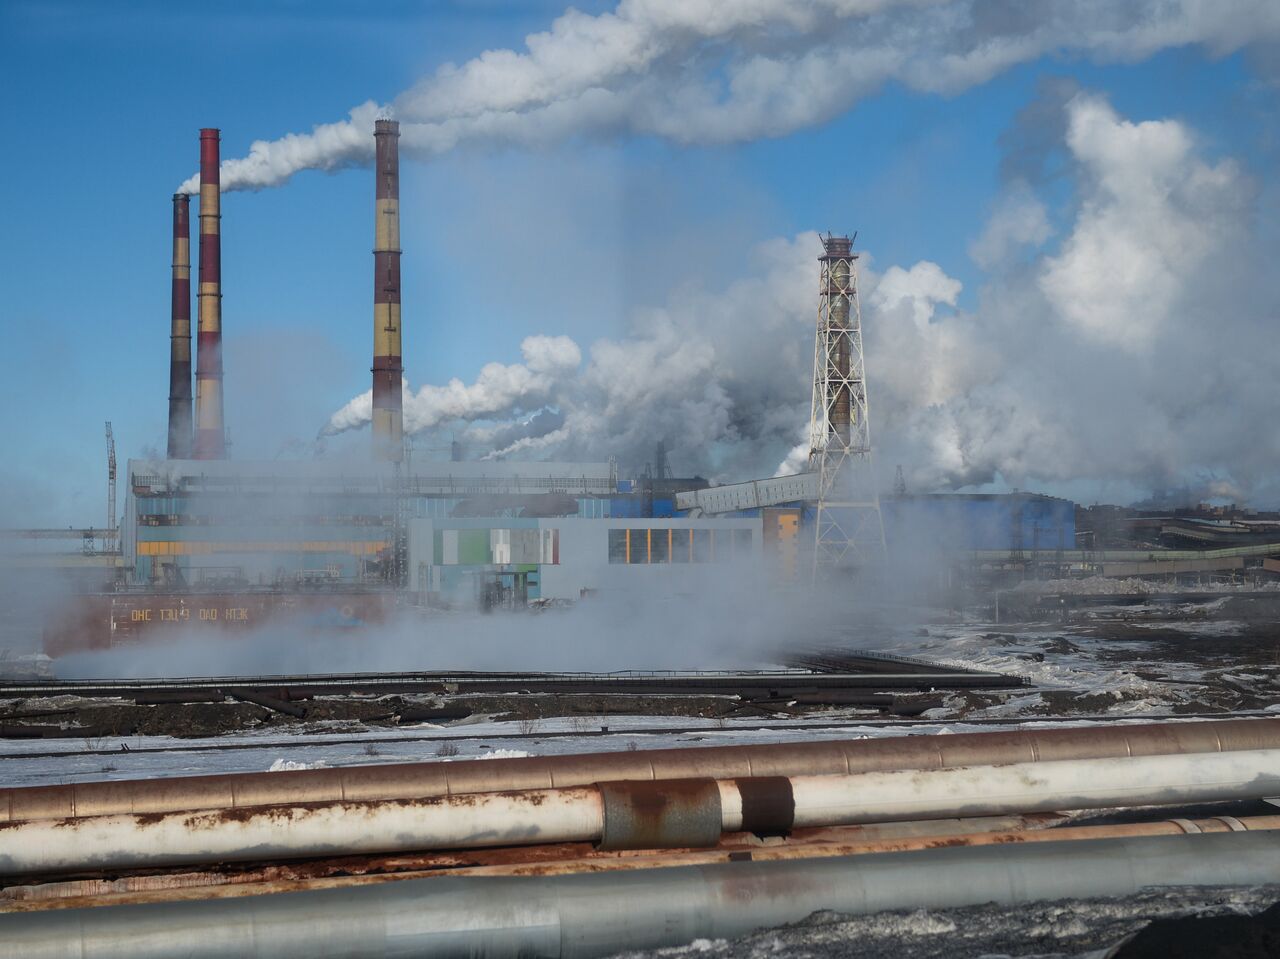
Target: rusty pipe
point(546, 859)
point(600, 914)
point(422, 780)
point(630, 815)
point(569, 859)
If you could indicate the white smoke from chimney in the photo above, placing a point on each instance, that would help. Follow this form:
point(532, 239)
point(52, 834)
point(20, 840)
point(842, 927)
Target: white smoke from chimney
point(1046, 383)
point(500, 390)
point(703, 71)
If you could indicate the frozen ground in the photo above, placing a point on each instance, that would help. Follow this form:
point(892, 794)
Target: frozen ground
point(1108, 662)
point(1067, 929)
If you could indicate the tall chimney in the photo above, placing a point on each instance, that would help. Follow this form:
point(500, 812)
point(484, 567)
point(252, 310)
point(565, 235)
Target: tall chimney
point(180, 333)
point(388, 443)
point(210, 438)
point(838, 260)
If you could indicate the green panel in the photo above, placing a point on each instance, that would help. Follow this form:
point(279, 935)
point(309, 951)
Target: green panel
point(473, 547)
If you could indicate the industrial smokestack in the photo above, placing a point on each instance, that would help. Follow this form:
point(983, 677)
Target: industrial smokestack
point(388, 441)
point(210, 437)
point(838, 261)
point(180, 333)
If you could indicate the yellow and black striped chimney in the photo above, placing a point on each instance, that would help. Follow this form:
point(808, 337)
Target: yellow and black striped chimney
point(210, 437)
point(180, 333)
point(388, 436)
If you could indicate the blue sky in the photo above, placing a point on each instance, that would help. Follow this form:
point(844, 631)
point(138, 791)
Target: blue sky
point(103, 102)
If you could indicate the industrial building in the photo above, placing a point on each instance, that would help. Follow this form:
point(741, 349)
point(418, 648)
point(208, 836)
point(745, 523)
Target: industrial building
point(281, 535)
point(514, 561)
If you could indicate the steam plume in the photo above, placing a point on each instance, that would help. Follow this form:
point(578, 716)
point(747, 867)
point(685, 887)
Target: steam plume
point(702, 71)
point(1124, 338)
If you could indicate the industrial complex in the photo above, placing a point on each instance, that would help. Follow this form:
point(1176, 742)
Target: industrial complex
point(208, 541)
point(929, 704)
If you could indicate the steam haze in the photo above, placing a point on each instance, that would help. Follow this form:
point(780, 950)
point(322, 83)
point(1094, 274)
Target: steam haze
point(1084, 362)
point(1081, 367)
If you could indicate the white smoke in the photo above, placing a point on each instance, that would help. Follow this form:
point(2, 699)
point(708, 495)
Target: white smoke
point(709, 71)
point(500, 390)
point(1138, 348)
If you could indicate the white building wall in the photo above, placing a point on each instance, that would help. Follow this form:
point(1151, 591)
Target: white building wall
point(583, 553)
point(584, 558)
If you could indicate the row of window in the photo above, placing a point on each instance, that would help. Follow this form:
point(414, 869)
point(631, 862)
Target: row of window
point(259, 519)
point(643, 546)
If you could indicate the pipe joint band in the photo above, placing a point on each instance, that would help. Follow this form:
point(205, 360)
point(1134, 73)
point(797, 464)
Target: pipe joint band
point(673, 813)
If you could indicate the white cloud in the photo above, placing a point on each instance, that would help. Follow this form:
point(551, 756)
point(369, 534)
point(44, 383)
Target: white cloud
point(1152, 212)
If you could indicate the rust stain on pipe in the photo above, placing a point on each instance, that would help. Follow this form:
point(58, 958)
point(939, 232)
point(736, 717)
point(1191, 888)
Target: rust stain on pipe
point(423, 780)
point(560, 859)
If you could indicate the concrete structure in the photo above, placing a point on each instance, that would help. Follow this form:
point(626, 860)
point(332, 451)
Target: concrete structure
point(452, 560)
point(210, 435)
point(388, 437)
point(180, 333)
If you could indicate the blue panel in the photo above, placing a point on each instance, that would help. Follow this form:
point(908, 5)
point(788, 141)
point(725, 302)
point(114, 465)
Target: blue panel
point(626, 507)
point(664, 508)
point(984, 521)
point(626, 486)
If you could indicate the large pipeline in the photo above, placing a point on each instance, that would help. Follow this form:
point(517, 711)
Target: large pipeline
point(598, 914)
point(425, 780)
point(180, 333)
point(210, 435)
point(688, 813)
point(571, 858)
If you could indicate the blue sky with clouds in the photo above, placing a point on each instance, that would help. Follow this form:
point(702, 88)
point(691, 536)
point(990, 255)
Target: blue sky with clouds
point(580, 235)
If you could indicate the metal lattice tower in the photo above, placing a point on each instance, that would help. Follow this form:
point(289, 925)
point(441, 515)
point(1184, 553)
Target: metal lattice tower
point(849, 529)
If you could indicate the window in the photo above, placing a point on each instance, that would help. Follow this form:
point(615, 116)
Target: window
point(617, 546)
point(642, 547)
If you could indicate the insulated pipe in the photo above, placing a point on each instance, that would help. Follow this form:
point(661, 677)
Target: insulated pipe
point(155, 887)
point(291, 832)
point(210, 436)
point(419, 780)
point(557, 859)
point(599, 914)
point(180, 333)
point(388, 443)
point(630, 815)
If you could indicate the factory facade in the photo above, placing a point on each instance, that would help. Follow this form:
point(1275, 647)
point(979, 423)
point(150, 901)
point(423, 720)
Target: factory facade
point(531, 529)
point(514, 561)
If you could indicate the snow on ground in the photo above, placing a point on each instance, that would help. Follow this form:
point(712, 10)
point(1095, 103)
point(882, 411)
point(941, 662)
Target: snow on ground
point(1130, 678)
point(1065, 929)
